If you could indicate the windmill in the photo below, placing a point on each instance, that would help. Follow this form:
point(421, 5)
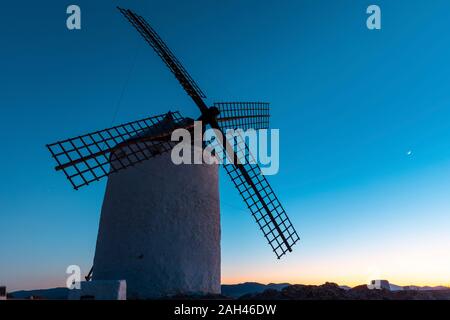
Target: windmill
point(131, 155)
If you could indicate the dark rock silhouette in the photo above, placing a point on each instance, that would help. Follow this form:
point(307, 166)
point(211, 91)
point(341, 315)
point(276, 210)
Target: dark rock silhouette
point(327, 291)
point(331, 291)
point(238, 290)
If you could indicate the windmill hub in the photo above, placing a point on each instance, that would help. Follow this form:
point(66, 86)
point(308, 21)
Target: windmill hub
point(213, 112)
point(210, 115)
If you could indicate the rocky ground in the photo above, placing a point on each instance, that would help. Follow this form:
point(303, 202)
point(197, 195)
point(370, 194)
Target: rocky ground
point(331, 291)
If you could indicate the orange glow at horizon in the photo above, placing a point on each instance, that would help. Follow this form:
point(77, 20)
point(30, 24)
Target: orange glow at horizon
point(408, 260)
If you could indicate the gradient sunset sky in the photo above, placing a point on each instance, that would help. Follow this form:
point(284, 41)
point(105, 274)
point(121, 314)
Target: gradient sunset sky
point(364, 119)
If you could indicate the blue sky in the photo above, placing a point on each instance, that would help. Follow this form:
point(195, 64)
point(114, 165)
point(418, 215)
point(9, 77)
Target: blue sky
point(349, 103)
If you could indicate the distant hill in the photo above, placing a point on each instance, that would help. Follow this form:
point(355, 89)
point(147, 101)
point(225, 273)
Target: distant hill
point(49, 294)
point(425, 288)
point(240, 289)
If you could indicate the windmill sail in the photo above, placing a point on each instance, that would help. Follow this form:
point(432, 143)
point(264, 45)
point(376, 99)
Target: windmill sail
point(258, 195)
point(243, 115)
point(164, 52)
point(265, 207)
point(90, 157)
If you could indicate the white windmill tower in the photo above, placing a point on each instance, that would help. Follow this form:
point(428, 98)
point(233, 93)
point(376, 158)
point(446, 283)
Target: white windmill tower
point(160, 223)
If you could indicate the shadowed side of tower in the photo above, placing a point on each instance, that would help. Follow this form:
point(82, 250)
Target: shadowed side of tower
point(160, 229)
